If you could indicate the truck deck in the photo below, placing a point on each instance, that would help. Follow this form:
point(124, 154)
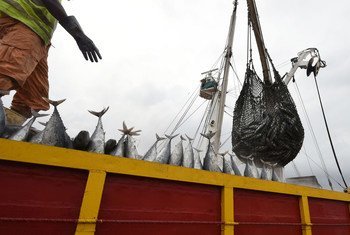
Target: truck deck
point(50, 190)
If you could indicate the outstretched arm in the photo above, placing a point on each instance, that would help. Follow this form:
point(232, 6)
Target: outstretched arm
point(71, 25)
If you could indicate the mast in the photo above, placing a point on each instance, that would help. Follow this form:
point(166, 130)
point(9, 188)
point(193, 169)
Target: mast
point(222, 93)
point(254, 18)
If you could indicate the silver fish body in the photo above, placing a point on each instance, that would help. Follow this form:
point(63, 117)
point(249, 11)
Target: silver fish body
point(266, 171)
point(211, 162)
point(228, 165)
point(97, 140)
point(197, 160)
point(130, 148)
point(188, 155)
point(164, 155)
point(22, 134)
point(277, 173)
point(10, 130)
point(250, 168)
point(234, 166)
point(54, 132)
point(119, 148)
point(177, 156)
point(151, 154)
point(37, 137)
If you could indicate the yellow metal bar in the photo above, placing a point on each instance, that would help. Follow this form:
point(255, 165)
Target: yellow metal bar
point(305, 215)
point(61, 157)
point(91, 203)
point(227, 211)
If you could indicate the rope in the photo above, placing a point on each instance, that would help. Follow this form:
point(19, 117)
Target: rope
point(296, 169)
point(249, 43)
point(313, 135)
point(328, 175)
point(194, 92)
point(239, 81)
point(200, 124)
point(183, 115)
point(190, 115)
point(329, 135)
point(308, 161)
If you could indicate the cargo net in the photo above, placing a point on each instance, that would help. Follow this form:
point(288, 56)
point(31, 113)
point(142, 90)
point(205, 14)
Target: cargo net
point(266, 124)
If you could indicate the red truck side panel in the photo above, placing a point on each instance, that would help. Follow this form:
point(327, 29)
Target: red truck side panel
point(135, 205)
point(39, 200)
point(329, 217)
point(254, 211)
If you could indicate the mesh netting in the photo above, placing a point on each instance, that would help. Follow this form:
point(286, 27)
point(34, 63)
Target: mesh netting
point(266, 124)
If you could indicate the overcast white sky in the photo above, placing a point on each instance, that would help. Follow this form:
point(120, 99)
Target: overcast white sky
point(154, 51)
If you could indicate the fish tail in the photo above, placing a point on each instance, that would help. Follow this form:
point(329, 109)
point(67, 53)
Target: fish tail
point(209, 135)
point(55, 103)
point(37, 114)
point(198, 150)
point(159, 138)
point(246, 158)
point(128, 131)
point(223, 154)
point(189, 138)
point(43, 123)
point(182, 138)
point(135, 132)
point(99, 114)
point(171, 136)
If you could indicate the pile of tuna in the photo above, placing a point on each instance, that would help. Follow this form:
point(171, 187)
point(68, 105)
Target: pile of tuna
point(183, 154)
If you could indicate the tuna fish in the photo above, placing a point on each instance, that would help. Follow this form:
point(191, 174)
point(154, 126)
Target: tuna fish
point(81, 141)
point(228, 165)
point(54, 132)
point(151, 154)
point(164, 155)
point(97, 140)
point(250, 168)
point(126, 145)
point(110, 145)
point(177, 156)
point(119, 148)
point(130, 147)
point(266, 171)
point(211, 160)
point(197, 160)
point(277, 173)
point(234, 165)
point(188, 160)
point(22, 134)
point(10, 130)
point(38, 136)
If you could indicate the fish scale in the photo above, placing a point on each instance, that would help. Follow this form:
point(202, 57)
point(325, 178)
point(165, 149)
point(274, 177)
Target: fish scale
point(151, 154)
point(177, 156)
point(54, 132)
point(23, 132)
point(188, 155)
point(97, 140)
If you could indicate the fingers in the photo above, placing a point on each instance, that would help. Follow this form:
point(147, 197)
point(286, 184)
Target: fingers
point(98, 53)
point(89, 50)
point(95, 57)
point(92, 55)
point(85, 55)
